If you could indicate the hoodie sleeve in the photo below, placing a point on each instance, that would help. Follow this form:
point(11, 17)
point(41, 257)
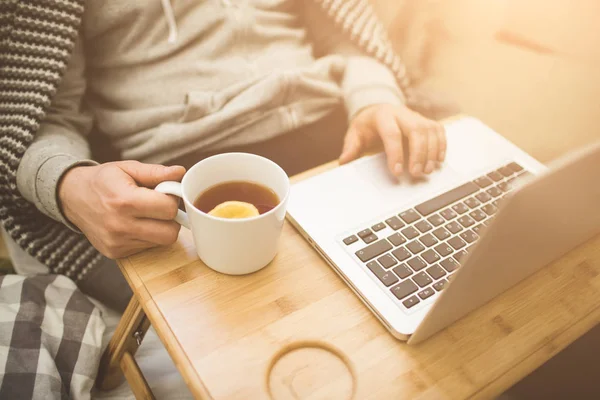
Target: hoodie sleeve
point(60, 143)
point(366, 81)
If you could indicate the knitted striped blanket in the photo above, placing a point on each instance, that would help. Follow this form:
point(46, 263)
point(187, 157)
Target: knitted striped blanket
point(36, 40)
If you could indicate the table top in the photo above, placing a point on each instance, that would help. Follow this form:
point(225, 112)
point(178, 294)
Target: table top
point(294, 330)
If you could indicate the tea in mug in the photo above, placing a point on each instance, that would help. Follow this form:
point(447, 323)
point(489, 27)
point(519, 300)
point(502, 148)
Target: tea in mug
point(236, 199)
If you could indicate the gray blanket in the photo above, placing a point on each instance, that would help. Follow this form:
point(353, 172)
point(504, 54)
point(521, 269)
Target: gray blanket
point(50, 339)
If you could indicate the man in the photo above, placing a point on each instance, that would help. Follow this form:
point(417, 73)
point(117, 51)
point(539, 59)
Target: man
point(169, 84)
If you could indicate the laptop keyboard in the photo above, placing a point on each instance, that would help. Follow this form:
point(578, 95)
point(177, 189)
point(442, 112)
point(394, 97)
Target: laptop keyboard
point(429, 241)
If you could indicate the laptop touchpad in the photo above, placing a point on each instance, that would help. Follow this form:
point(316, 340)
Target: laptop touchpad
point(374, 170)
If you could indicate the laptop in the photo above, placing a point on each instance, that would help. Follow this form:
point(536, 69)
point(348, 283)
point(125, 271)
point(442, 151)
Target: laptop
point(422, 254)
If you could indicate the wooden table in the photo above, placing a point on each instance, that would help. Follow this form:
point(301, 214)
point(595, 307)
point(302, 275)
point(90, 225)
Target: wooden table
point(294, 330)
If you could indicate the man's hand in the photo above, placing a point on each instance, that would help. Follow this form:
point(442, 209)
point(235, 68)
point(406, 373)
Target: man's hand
point(114, 207)
point(387, 123)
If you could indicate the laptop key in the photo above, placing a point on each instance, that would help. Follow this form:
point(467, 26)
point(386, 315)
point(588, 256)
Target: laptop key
point(410, 233)
point(430, 256)
point(364, 233)
point(449, 264)
point(478, 215)
point(457, 243)
point(445, 199)
point(416, 263)
point(377, 227)
point(472, 202)
point(483, 197)
point(422, 279)
point(448, 214)
point(460, 208)
point(439, 286)
point(469, 236)
point(443, 249)
point(373, 250)
point(515, 167)
point(394, 223)
point(423, 226)
point(387, 261)
point(504, 186)
point(459, 255)
point(411, 301)
point(441, 234)
point(409, 216)
point(489, 209)
point(494, 191)
point(387, 278)
point(436, 220)
point(403, 289)
point(402, 271)
point(483, 182)
point(396, 239)
point(454, 227)
point(426, 293)
point(478, 228)
point(466, 221)
point(370, 239)
point(436, 271)
point(415, 247)
point(401, 254)
point(506, 171)
point(495, 176)
point(428, 240)
point(350, 239)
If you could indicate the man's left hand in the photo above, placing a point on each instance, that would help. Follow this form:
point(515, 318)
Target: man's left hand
point(388, 124)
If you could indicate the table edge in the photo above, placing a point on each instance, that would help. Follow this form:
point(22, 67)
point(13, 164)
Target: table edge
point(178, 356)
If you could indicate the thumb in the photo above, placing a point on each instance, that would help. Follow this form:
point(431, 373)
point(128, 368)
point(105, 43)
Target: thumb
point(352, 146)
point(150, 175)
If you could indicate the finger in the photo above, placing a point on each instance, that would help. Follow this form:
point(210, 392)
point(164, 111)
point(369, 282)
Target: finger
point(442, 143)
point(134, 246)
point(432, 150)
point(124, 248)
point(155, 231)
point(417, 143)
point(138, 245)
point(150, 175)
point(391, 136)
point(147, 203)
point(352, 146)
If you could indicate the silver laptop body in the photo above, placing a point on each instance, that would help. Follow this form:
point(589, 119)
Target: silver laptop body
point(423, 253)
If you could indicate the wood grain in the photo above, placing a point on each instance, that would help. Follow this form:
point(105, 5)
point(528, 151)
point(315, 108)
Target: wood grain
point(126, 340)
point(132, 372)
point(223, 332)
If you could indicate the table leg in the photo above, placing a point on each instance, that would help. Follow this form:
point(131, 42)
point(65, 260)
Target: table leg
point(123, 345)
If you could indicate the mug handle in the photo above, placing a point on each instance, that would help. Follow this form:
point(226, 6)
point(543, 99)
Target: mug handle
point(174, 188)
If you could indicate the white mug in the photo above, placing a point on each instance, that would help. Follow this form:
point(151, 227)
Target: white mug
point(232, 246)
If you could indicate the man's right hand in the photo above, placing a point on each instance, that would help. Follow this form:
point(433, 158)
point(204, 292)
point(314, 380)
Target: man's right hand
point(114, 206)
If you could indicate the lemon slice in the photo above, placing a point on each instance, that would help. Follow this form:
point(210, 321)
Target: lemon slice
point(234, 209)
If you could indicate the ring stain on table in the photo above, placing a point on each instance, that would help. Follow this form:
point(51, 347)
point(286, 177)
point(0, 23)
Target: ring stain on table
point(310, 370)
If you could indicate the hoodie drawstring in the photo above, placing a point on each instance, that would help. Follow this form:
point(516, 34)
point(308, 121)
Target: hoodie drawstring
point(170, 17)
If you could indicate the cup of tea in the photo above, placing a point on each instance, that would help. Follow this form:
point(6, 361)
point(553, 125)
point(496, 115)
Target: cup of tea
point(215, 191)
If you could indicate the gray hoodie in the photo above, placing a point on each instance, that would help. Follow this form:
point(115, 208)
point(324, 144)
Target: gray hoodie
point(162, 79)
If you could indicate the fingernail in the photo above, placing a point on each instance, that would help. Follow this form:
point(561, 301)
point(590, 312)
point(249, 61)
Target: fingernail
point(417, 169)
point(429, 167)
point(398, 169)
